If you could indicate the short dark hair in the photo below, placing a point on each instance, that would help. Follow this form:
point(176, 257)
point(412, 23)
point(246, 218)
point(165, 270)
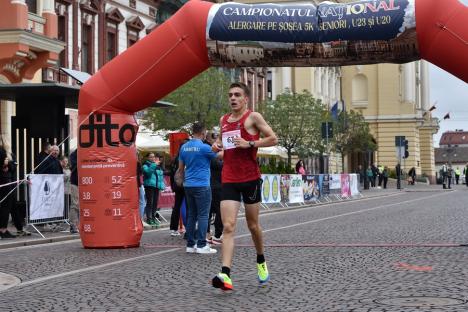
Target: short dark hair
point(241, 85)
point(198, 128)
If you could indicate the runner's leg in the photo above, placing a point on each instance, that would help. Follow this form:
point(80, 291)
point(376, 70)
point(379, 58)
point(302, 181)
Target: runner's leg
point(229, 211)
point(251, 215)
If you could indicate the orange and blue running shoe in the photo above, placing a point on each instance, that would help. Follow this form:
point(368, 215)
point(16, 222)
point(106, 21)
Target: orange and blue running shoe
point(222, 281)
point(262, 271)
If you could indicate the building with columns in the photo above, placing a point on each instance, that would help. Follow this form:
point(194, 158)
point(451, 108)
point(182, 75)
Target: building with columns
point(394, 100)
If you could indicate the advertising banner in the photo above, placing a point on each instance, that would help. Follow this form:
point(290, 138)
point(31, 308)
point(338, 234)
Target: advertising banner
point(335, 181)
point(271, 188)
point(261, 35)
point(353, 182)
point(311, 188)
point(47, 196)
point(296, 193)
point(345, 190)
point(109, 215)
point(324, 184)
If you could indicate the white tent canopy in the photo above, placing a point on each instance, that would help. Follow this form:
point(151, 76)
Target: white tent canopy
point(149, 141)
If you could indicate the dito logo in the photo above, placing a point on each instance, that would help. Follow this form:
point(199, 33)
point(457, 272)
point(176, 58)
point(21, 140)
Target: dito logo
point(99, 130)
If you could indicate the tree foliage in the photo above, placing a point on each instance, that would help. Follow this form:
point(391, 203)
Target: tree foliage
point(203, 99)
point(352, 134)
point(295, 118)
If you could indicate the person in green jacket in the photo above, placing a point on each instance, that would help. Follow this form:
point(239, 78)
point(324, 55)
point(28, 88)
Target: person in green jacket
point(153, 181)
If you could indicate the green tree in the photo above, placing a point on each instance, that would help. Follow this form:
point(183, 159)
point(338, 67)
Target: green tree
point(351, 135)
point(203, 99)
point(295, 118)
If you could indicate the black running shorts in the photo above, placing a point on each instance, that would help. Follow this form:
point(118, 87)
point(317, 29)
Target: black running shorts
point(248, 192)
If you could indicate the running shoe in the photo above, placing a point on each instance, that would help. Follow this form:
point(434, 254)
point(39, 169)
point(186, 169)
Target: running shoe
point(222, 281)
point(262, 272)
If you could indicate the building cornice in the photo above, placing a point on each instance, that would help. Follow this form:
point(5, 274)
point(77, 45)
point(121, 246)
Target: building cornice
point(35, 41)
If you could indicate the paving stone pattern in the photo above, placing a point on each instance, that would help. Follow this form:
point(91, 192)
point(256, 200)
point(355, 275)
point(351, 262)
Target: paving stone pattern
point(303, 277)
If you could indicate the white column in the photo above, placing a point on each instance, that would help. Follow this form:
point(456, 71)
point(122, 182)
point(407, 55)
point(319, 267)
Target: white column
point(274, 83)
point(425, 99)
point(409, 91)
point(286, 78)
point(47, 6)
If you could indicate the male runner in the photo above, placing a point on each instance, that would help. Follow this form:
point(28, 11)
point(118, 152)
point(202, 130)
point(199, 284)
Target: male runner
point(240, 139)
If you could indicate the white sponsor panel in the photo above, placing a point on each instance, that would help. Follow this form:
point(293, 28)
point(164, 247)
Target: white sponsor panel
point(296, 191)
point(271, 188)
point(47, 199)
point(353, 184)
point(335, 181)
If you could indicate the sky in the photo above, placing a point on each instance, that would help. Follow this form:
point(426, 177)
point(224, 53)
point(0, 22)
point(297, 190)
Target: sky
point(451, 95)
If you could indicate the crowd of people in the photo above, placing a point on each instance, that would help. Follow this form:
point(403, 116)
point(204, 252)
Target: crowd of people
point(47, 162)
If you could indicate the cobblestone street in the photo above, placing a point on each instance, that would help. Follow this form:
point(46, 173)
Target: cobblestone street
point(399, 252)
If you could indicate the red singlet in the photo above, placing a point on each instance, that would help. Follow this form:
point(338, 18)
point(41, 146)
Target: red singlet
point(240, 164)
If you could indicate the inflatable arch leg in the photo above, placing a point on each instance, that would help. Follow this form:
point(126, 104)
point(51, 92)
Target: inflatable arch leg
point(156, 65)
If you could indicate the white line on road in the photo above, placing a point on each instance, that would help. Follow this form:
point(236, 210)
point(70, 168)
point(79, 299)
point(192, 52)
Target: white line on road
point(101, 266)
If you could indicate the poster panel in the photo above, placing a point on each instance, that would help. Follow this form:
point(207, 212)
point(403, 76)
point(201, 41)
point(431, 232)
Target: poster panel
point(311, 187)
point(47, 196)
point(335, 181)
point(262, 35)
point(167, 196)
point(354, 182)
point(296, 193)
point(271, 192)
point(324, 184)
point(345, 190)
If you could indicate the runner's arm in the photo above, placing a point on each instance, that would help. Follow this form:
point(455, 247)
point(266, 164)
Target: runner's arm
point(269, 137)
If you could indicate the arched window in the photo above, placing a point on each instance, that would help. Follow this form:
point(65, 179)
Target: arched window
point(360, 92)
point(32, 6)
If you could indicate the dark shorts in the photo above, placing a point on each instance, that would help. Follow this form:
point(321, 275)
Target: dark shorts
point(248, 192)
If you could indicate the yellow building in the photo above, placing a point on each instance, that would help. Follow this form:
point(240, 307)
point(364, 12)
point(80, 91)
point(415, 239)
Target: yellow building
point(394, 99)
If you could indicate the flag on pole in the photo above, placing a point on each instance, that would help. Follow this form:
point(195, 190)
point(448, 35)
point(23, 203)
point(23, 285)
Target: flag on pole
point(334, 111)
point(447, 116)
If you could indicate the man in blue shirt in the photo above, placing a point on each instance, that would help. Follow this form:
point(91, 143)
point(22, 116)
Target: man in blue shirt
point(194, 163)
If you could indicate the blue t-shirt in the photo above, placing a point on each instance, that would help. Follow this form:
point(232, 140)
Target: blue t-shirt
point(196, 157)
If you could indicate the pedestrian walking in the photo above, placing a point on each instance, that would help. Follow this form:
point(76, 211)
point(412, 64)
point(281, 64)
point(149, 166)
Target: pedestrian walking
point(444, 174)
point(194, 165)
point(240, 140)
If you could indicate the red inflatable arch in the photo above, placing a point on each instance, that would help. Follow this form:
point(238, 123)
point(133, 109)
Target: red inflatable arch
point(287, 35)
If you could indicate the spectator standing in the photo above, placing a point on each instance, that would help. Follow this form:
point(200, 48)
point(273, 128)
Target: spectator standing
point(41, 159)
point(74, 213)
point(457, 175)
point(216, 166)
point(375, 173)
point(443, 173)
point(51, 164)
point(465, 172)
point(7, 175)
point(449, 176)
point(194, 164)
point(412, 176)
point(398, 175)
point(300, 167)
point(380, 169)
point(385, 174)
point(141, 192)
point(370, 176)
point(179, 196)
point(153, 181)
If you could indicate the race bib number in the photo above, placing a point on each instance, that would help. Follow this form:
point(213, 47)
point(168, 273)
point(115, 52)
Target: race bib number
point(228, 138)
